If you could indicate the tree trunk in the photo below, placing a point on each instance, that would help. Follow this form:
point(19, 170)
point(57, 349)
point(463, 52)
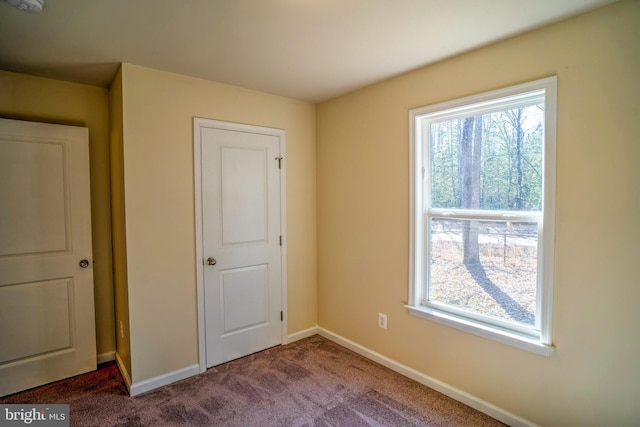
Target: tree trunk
point(466, 160)
point(519, 142)
point(470, 152)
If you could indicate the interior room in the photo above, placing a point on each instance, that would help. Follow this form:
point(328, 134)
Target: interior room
point(345, 210)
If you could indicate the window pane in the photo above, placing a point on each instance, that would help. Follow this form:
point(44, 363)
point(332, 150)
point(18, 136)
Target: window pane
point(491, 161)
point(485, 267)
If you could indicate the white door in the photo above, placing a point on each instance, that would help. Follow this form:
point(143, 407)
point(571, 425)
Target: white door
point(241, 238)
point(47, 323)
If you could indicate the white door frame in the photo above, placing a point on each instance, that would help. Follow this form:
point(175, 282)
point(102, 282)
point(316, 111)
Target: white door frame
point(198, 125)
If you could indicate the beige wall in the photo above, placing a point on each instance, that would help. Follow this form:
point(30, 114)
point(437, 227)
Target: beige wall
point(158, 111)
point(593, 378)
point(118, 226)
point(44, 100)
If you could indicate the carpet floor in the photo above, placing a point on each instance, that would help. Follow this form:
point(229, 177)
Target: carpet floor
point(312, 382)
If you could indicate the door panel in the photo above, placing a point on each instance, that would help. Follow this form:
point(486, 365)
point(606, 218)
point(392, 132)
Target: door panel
point(245, 287)
point(241, 231)
point(36, 169)
point(35, 335)
point(47, 322)
point(244, 198)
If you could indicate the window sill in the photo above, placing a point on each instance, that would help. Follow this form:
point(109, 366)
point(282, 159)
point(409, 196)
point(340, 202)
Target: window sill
point(495, 334)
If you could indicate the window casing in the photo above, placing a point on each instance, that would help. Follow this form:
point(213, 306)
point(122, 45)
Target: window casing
point(512, 215)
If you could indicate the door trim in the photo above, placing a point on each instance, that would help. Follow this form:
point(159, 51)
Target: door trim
point(198, 125)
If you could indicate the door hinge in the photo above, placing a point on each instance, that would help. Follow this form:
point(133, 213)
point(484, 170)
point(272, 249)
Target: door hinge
point(279, 159)
point(282, 316)
point(280, 240)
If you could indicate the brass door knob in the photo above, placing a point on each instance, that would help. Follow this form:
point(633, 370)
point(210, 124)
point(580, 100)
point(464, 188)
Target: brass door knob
point(211, 261)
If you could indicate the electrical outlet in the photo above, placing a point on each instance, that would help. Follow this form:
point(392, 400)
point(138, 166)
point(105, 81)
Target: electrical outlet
point(382, 320)
point(121, 330)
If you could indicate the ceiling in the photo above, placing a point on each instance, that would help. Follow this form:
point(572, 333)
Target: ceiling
point(311, 50)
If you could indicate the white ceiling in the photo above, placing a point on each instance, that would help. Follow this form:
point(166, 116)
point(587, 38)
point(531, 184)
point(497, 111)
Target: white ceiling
point(311, 50)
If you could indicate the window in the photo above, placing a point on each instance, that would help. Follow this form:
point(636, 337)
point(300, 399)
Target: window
point(482, 214)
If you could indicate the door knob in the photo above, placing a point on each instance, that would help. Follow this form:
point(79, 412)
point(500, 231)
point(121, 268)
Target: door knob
point(84, 263)
point(211, 261)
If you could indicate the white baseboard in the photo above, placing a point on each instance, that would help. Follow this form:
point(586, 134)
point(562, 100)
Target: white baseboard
point(164, 379)
point(123, 371)
point(301, 334)
point(444, 388)
point(107, 356)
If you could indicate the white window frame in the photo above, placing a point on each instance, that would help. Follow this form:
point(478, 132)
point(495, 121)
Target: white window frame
point(537, 339)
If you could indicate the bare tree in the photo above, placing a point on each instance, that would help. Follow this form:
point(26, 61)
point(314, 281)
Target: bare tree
point(516, 118)
point(470, 153)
